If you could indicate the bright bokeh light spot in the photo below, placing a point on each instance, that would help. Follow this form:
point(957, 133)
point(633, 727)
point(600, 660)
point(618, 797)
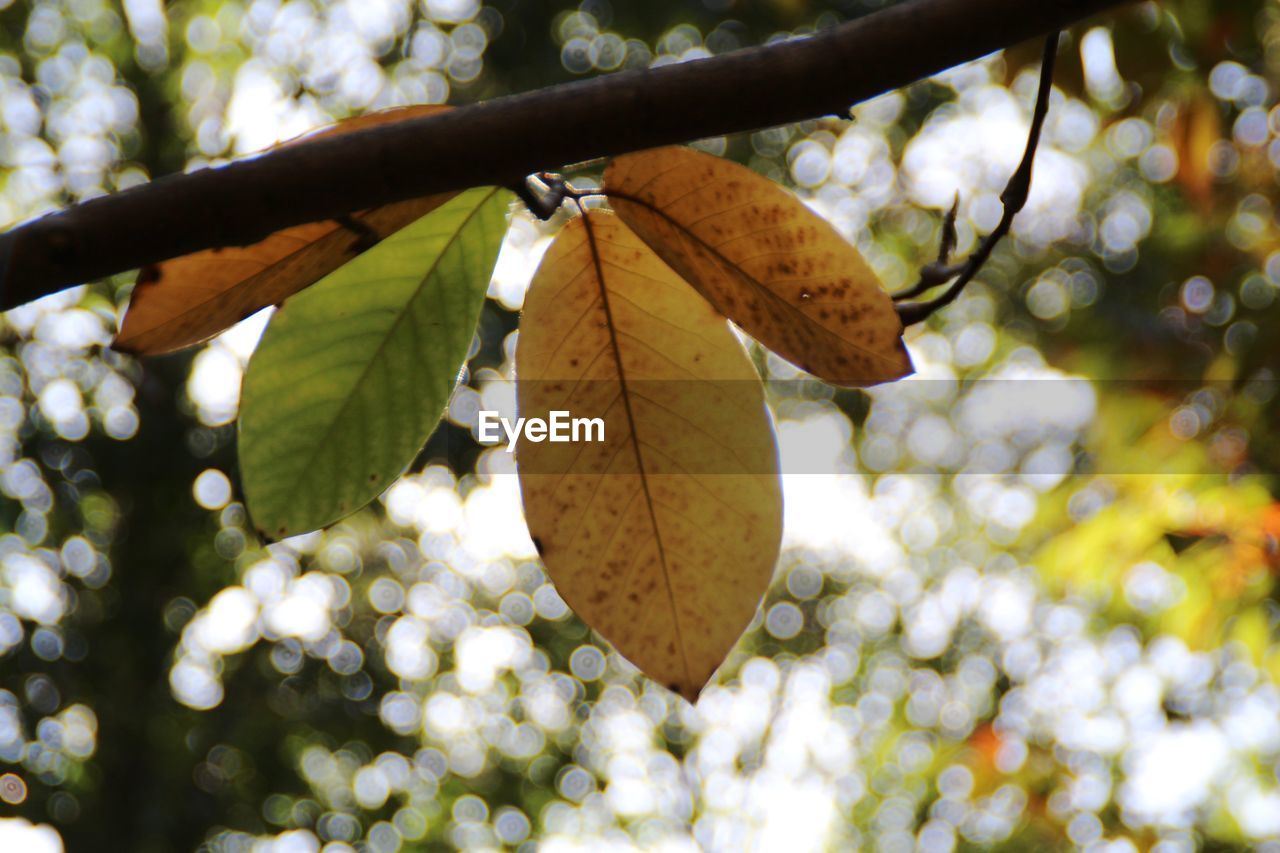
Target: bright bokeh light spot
point(303, 611)
point(195, 686)
point(36, 591)
point(452, 11)
point(212, 489)
point(482, 653)
point(214, 385)
point(13, 790)
point(1172, 773)
point(227, 625)
point(1097, 52)
point(587, 663)
point(19, 834)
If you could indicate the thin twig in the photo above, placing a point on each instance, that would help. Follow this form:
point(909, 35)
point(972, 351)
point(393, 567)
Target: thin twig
point(1014, 198)
point(947, 244)
point(942, 270)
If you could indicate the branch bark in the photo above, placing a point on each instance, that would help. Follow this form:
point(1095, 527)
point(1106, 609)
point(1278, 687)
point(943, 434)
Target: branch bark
point(502, 140)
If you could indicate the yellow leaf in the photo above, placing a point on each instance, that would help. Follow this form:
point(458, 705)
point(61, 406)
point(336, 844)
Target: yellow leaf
point(662, 537)
point(190, 299)
point(764, 260)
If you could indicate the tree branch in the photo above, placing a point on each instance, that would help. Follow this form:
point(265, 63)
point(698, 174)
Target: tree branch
point(503, 140)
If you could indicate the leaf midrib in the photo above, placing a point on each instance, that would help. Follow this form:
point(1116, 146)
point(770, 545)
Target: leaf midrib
point(752, 280)
point(625, 393)
point(236, 291)
point(181, 319)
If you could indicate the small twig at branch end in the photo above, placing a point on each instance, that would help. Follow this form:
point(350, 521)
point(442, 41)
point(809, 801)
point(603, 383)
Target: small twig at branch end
point(947, 244)
point(942, 270)
point(1013, 199)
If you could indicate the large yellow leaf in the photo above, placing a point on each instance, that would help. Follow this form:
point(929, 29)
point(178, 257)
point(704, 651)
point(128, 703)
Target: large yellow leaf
point(763, 259)
point(663, 537)
point(190, 299)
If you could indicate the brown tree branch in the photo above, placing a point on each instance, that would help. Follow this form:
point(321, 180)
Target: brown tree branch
point(501, 141)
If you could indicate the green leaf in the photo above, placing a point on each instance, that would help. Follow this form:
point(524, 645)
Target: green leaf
point(353, 373)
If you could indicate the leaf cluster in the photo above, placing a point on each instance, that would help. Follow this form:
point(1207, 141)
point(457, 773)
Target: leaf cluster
point(664, 535)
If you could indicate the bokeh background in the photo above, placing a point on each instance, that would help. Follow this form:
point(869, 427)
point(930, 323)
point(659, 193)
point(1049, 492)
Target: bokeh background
point(1029, 603)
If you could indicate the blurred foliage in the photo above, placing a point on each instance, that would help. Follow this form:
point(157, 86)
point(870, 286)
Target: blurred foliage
point(1030, 603)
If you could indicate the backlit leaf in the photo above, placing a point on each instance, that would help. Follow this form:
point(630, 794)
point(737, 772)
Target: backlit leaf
point(766, 261)
point(353, 373)
point(190, 299)
point(663, 537)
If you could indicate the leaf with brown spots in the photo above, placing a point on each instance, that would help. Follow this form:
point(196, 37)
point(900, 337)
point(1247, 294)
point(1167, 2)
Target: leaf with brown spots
point(764, 260)
point(663, 536)
point(190, 299)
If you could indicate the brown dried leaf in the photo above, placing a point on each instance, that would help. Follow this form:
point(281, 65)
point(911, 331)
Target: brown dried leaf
point(764, 260)
point(190, 299)
point(663, 537)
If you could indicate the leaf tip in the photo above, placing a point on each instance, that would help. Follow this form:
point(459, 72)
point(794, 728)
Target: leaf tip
point(149, 275)
point(904, 355)
point(124, 344)
point(142, 343)
point(687, 691)
point(267, 538)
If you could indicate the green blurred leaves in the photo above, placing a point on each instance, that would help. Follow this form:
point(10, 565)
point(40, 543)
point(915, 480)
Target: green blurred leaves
point(1174, 546)
point(353, 374)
